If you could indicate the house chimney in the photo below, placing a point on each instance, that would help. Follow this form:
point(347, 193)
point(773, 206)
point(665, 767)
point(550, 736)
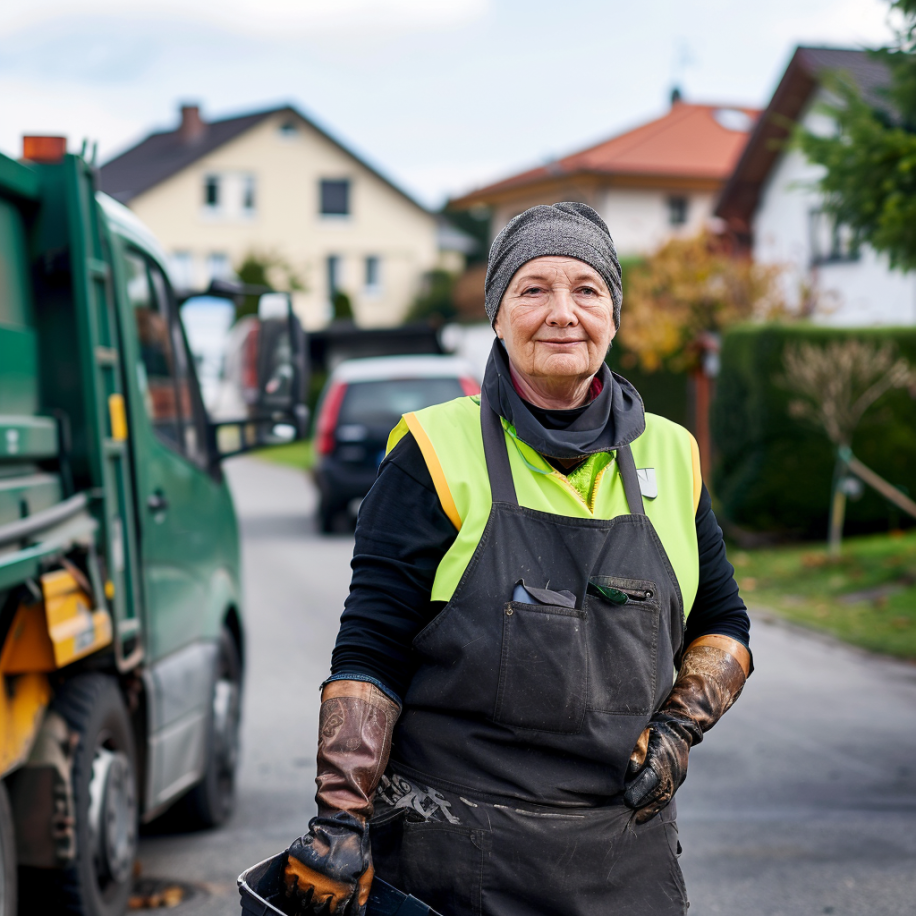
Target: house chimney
point(675, 96)
point(192, 126)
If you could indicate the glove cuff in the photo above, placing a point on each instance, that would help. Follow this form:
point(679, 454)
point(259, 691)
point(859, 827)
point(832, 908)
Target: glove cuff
point(355, 727)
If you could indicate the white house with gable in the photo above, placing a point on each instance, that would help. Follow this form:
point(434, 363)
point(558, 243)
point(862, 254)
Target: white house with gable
point(772, 202)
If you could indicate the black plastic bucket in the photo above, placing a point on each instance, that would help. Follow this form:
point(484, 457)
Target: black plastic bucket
point(261, 890)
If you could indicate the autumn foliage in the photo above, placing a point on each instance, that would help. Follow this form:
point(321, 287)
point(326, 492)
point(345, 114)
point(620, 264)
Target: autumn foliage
point(688, 289)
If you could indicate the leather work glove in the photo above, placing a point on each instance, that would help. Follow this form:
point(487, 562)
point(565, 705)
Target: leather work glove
point(329, 870)
point(712, 674)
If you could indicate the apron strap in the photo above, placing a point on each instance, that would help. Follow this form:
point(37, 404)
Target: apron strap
point(502, 486)
point(627, 467)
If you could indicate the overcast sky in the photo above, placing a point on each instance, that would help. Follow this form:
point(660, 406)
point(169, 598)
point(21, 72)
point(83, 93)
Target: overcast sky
point(440, 95)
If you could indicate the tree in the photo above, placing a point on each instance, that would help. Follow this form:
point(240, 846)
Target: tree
point(691, 288)
point(836, 385)
point(435, 301)
point(266, 269)
point(342, 306)
point(869, 184)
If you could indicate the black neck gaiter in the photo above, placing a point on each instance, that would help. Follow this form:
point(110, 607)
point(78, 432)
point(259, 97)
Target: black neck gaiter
point(614, 418)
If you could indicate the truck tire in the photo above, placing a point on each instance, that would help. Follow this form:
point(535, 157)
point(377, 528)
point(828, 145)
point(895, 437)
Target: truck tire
point(7, 857)
point(211, 802)
point(105, 799)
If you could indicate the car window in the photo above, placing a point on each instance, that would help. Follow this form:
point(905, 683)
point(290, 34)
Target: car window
point(381, 403)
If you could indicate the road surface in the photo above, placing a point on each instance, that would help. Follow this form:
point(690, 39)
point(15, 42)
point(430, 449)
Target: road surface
point(801, 802)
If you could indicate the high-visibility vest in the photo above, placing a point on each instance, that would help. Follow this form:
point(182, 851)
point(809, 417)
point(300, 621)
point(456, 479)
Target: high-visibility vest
point(667, 460)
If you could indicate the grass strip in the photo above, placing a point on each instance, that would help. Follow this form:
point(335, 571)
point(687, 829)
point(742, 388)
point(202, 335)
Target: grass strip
point(292, 455)
point(866, 597)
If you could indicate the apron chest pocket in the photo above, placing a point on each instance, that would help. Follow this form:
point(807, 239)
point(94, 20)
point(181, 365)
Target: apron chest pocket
point(543, 671)
point(623, 645)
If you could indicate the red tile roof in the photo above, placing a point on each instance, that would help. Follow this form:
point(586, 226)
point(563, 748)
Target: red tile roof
point(690, 141)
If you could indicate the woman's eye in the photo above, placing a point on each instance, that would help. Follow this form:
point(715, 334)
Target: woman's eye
point(588, 291)
point(532, 291)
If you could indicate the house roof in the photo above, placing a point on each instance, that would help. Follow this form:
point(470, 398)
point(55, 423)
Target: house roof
point(806, 69)
point(165, 153)
point(690, 141)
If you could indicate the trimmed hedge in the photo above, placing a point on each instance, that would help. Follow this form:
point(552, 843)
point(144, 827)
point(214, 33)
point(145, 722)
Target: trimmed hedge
point(773, 472)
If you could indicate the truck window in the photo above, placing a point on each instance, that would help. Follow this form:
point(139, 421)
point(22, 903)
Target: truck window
point(156, 369)
point(190, 410)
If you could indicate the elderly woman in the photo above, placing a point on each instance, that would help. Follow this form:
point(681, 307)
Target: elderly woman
point(500, 733)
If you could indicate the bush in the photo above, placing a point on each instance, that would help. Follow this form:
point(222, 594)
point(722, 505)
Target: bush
point(774, 472)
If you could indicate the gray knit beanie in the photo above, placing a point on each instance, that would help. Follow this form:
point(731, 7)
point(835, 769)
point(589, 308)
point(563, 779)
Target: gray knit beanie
point(571, 230)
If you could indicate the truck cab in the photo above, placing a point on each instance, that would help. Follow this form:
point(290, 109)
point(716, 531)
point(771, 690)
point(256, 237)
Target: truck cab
point(121, 614)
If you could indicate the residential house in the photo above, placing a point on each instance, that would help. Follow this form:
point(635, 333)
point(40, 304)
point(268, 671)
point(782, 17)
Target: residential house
point(659, 180)
point(772, 202)
point(275, 184)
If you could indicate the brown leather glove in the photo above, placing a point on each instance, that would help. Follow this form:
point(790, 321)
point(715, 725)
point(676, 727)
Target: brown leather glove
point(712, 674)
point(329, 870)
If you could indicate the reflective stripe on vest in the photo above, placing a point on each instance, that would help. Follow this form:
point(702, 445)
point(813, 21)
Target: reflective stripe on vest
point(449, 438)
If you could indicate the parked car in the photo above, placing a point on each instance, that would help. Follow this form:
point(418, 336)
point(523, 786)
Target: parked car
point(361, 403)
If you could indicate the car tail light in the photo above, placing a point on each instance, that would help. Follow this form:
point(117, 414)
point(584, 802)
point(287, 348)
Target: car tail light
point(468, 385)
point(327, 419)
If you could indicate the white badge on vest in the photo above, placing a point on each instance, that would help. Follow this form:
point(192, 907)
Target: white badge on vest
point(647, 483)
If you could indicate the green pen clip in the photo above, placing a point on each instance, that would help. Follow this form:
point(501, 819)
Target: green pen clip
point(614, 595)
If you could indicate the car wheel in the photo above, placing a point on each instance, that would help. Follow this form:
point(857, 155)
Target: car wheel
point(331, 518)
point(7, 857)
point(211, 802)
point(105, 802)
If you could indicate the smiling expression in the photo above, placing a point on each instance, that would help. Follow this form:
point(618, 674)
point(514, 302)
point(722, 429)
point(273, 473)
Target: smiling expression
point(557, 321)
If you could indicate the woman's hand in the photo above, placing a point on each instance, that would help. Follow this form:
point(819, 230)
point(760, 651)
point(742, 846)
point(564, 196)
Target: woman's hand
point(329, 870)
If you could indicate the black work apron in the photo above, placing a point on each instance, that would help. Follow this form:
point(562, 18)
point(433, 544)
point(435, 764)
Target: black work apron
point(523, 716)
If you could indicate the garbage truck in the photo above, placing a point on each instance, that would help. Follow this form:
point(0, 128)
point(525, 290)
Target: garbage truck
point(122, 638)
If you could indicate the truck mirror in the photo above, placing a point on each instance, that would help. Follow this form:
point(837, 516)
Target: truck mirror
point(263, 388)
point(274, 305)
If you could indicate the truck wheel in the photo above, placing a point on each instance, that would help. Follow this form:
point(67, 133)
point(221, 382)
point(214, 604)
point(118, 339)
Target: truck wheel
point(211, 802)
point(105, 798)
point(7, 857)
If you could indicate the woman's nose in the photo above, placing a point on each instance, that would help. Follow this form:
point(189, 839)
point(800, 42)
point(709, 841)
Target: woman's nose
point(562, 311)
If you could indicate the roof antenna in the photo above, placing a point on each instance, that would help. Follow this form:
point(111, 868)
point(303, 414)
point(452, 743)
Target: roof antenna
point(681, 59)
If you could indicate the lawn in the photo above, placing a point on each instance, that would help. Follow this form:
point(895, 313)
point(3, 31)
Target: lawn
point(866, 597)
point(294, 454)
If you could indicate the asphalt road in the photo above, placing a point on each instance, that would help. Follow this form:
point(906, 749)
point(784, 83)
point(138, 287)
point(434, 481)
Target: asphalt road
point(801, 802)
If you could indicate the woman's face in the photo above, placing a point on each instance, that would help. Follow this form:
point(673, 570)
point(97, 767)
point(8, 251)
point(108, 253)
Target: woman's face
point(557, 320)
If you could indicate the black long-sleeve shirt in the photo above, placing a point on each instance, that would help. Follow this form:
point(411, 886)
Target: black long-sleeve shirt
point(402, 535)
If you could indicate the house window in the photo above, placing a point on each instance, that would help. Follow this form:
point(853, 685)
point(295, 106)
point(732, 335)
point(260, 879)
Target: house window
point(677, 211)
point(333, 273)
point(219, 267)
point(249, 198)
point(181, 266)
point(288, 130)
point(335, 197)
point(373, 273)
point(211, 192)
point(831, 242)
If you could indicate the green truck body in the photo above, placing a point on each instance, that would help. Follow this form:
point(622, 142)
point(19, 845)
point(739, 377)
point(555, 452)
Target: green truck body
point(120, 594)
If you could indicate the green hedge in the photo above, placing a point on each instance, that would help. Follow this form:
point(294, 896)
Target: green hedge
point(663, 392)
point(774, 473)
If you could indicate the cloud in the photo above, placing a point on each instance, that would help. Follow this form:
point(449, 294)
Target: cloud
point(274, 18)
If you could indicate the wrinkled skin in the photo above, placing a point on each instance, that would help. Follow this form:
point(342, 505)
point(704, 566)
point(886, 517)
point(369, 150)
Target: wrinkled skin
point(329, 870)
point(711, 677)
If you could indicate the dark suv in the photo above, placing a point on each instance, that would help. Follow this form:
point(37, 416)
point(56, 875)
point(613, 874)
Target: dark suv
point(362, 402)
